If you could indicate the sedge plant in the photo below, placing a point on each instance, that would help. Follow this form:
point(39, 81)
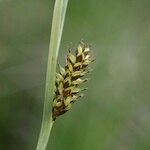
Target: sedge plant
point(62, 88)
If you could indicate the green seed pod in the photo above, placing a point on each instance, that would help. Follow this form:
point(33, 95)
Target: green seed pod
point(72, 58)
point(62, 70)
point(67, 101)
point(58, 104)
point(59, 77)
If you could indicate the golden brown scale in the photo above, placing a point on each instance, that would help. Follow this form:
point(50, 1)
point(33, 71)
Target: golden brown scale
point(69, 78)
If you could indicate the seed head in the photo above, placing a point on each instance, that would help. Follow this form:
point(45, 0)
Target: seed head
point(69, 78)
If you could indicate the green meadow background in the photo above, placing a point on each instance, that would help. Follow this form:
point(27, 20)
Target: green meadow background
point(115, 112)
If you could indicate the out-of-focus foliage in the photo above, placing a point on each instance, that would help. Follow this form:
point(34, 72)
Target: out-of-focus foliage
point(115, 112)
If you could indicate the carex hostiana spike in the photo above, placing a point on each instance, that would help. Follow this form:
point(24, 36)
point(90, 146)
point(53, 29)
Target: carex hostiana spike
point(69, 78)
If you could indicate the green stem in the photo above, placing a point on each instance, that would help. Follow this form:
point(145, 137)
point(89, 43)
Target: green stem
point(55, 39)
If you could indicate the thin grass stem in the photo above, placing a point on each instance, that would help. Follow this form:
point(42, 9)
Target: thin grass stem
point(55, 39)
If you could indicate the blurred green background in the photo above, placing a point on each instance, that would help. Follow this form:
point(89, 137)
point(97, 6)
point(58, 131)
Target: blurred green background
point(115, 112)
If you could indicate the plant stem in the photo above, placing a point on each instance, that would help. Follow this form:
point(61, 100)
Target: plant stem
point(55, 39)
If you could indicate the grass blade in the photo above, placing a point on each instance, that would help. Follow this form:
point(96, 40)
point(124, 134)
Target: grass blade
point(55, 39)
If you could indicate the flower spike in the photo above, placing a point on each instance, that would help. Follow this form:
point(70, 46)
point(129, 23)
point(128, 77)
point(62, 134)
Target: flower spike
point(69, 78)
